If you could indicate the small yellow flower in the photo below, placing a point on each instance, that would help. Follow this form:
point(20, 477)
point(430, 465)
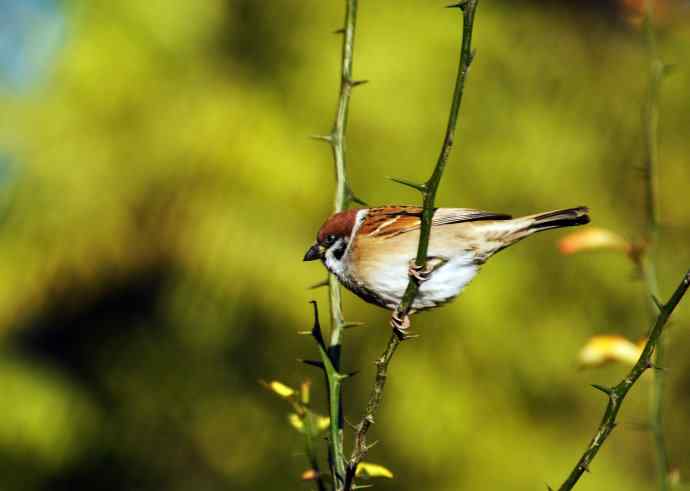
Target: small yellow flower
point(593, 239)
point(609, 348)
point(367, 469)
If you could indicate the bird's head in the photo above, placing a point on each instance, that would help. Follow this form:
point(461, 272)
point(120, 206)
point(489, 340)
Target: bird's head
point(333, 238)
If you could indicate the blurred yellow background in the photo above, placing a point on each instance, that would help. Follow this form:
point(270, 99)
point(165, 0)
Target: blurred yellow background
point(158, 190)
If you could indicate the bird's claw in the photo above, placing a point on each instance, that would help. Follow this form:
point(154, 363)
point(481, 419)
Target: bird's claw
point(422, 273)
point(401, 326)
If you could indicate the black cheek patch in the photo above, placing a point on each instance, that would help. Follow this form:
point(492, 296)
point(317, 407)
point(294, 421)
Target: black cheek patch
point(340, 250)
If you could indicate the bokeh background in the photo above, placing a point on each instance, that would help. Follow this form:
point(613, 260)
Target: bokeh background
point(158, 190)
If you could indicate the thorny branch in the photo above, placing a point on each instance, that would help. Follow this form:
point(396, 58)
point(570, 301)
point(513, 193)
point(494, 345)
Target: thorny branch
point(343, 197)
point(617, 394)
point(648, 263)
point(428, 190)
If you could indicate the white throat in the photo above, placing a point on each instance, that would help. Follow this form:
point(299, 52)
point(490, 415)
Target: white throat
point(338, 266)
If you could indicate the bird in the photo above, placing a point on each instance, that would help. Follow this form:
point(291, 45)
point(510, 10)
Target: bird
point(372, 251)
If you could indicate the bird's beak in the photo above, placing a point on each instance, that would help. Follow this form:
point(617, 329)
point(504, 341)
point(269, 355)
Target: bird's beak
point(315, 252)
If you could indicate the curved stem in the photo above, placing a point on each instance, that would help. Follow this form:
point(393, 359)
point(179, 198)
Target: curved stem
point(617, 394)
point(428, 190)
point(430, 187)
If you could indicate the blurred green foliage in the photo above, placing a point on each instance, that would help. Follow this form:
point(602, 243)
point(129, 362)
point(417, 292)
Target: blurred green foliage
point(165, 191)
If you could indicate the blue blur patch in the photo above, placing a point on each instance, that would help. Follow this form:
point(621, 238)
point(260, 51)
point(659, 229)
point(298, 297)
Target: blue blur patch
point(31, 35)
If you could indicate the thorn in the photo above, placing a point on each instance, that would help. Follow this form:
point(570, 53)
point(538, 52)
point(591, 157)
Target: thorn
point(350, 325)
point(316, 330)
point(658, 304)
point(362, 486)
point(419, 187)
point(370, 446)
point(549, 488)
point(459, 5)
point(355, 83)
point(344, 376)
point(313, 363)
point(606, 390)
point(652, 365)
point(350, 424)
point(339, 31)
point(325, 138)
point(355, 199)
point(320, 284)
point(304, 333)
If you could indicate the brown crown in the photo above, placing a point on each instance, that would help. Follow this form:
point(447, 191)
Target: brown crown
point(338, 224)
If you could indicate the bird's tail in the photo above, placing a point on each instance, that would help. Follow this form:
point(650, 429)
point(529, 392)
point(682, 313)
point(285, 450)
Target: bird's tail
point(558, 218)
point(522, 227)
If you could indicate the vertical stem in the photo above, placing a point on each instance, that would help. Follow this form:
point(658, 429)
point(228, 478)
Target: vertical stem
point(649, 262)
point(310, 435)
point(428, 190)
point(343, 196)
point(617, 394)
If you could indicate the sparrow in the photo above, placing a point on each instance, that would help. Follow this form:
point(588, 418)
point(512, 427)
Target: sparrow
point(372, 251)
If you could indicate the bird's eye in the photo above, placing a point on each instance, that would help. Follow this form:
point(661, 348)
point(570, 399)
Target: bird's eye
point(330, 239)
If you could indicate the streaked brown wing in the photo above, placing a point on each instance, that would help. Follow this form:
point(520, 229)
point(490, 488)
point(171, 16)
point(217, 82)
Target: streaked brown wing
point(395, 220)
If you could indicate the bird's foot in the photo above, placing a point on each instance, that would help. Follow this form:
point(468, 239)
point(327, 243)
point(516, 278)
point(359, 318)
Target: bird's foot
point(421, 274)
point(400, 323)
point(401, 326)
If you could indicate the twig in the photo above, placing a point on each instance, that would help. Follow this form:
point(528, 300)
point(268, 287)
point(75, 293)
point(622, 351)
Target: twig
point(428, 190)
point(648, 262)
point(360, 447)
point(310, 435)
point(343, 197)
point(617, 394)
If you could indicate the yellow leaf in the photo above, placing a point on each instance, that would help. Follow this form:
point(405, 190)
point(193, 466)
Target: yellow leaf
point(310, 475)
point(281, 389)
point(609, 348)
point(591, 239)
point(295, 421)
point(305, 390)
point(323, 422)
point(367, 469)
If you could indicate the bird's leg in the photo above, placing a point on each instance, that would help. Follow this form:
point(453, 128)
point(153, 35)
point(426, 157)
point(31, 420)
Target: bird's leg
point(400, 323)
point(421, 274)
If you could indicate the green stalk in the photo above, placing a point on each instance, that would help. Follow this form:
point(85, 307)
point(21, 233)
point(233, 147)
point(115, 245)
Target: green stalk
point(649, 261)
point(429, 188)
point(617, 394)
point(428, 191)
point(343, 197)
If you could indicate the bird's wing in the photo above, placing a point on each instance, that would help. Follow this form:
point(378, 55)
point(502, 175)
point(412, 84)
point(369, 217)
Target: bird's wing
point(391, 221)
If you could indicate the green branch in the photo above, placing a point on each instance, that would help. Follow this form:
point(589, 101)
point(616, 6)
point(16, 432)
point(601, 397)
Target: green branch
point(617, 394)
point(343, 197)
point(428, 191)
point(429, 188)
point(648, 263)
